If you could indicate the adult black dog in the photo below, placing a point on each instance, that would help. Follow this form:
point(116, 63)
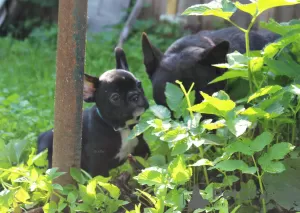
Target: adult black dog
point(119, 101)
point(189, 59)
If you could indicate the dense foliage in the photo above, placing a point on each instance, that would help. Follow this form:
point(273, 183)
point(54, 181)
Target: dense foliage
point(243, 158)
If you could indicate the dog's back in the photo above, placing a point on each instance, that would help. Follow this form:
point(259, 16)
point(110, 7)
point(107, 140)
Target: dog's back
point(236, 38)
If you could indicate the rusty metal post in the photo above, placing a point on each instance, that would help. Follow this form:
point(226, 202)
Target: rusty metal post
point(72, 25)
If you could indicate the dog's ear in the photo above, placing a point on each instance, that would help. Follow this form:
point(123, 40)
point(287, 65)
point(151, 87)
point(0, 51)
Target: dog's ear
point(152, 55)
point(121, 62)
point(215, 54)
point(90, 85)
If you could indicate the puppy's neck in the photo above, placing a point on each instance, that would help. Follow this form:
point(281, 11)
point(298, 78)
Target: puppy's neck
point(128, 123)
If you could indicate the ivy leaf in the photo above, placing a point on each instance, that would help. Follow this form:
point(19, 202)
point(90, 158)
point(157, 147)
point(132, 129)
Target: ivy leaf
point(279, 150)
point(276, 152)
point(231, 165)
point(84, 195)
point(175, 135)
point(180, 148)
point(263, 5)
point(72, 196)
point(219, 8)
point(203, 162)
point(180, 173)
point(231, 74)
point(240, 146)
point(77, 175)
point(22, 196)
point(261, 141)
point(264, 91)
point(174, 96)
point(151, 176)
point(250, 8)
point(284, 188)
point(113, 190)
point(50, 207)
point(280, 28)
point(138, 129)
point(238, 126)
point(160, 111)
point(222, 105)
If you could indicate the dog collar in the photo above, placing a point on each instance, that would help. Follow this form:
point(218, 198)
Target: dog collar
point(98, 112)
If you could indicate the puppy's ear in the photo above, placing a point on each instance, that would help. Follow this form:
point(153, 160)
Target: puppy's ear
point(216, 54)
point(90, 85)
point(121, 62)
point(152, 55)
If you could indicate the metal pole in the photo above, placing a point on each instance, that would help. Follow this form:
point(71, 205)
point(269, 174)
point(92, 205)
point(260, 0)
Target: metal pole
point(72, 25)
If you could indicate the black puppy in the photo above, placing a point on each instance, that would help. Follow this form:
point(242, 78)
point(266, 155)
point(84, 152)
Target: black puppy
point(119, 101)
point(189, 59)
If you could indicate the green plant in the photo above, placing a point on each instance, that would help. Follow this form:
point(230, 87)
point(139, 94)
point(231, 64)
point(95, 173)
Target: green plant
point(253, 138)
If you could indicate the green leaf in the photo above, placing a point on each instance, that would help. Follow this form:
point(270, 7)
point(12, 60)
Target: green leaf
point(231, 74)
point(175, 198)
point(113, 190)
point(238, 126)
point(50, 207)
point(22, 195)
point(248, 8)
point(203, 162)
point(137, 130)
point(240, 146)
point(180, 147)
point(219, 8)
point(77, 175)
point(280, 28)
point(160, 111)
point(232, 165)
point(180, 173)
point(174, 96)
point(174, 135)
point(280, 150)
point(261, 141)
point(286, 68)
point(40, 159)
point(72, 196)
point(222, 105)
point(247, 192)
point(85, 196)
point(229, 180)
point(264, 91)
point(276, 152)
point(221, 205)
point(53, 173)
point(284, 188)
point(263, 5)
point(151, 176)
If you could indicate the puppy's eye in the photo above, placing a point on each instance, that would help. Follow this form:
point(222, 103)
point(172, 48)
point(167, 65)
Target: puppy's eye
point(115, 98)
point(134, 98)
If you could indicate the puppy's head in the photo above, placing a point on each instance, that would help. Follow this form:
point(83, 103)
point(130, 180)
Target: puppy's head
point(187, 60)
point(118, 95)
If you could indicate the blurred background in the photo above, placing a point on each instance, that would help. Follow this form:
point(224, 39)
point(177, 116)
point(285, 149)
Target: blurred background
point(28, 32)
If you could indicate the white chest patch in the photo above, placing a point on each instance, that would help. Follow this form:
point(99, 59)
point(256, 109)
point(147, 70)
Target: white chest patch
point(127, 147)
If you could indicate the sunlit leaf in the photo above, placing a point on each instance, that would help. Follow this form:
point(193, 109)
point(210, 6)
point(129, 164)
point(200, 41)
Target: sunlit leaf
point(231, 74)
point(203, 162)
point(264, 91)
point(219, 8)
point(151, 176)
point(179, 171)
